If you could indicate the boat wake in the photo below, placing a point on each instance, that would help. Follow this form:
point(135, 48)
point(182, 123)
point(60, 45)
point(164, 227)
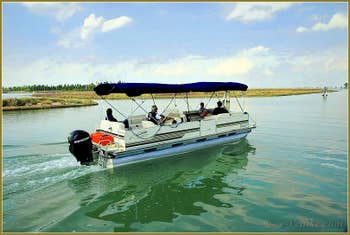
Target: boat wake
point(29, 168)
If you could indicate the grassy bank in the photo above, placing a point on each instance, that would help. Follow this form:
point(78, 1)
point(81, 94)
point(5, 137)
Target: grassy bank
point(250, 93)
point(43, 103)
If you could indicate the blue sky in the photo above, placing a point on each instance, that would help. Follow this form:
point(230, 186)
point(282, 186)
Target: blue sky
point(259, 44)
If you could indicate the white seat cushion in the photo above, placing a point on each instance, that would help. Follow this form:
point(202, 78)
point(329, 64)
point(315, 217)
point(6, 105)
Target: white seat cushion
point(147, 124)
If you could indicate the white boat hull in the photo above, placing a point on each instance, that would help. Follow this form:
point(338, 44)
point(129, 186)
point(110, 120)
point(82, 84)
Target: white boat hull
point(107, 162)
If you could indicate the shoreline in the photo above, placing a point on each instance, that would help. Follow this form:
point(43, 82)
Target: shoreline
point(266, 92)
point(70, 99)
point(37, 107)
point(35, 103)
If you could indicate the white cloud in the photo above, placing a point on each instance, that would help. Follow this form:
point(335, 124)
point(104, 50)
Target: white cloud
point(231, 66)
point(185, 69)
point(93, 24)
point(70, 39)
point(336, 64)
point(338, 21)
point(265, 69)
point(302, 60)
point(325, 62)
point(256, 50)
point(115, 23)
point(179, 67)
point(256, 11)
point(60, 11)
point(301, 29)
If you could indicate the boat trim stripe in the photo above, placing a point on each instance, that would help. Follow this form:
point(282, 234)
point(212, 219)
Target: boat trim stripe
point(127, 153)
point(163, 136)
point(231, 123)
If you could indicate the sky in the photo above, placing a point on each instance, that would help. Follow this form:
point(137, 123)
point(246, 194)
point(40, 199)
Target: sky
point(264, 44)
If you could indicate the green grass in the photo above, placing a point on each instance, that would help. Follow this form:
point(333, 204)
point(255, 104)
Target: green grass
point(39, 103)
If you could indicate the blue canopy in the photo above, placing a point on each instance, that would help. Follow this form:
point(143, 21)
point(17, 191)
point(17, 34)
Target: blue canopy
point(136, 89)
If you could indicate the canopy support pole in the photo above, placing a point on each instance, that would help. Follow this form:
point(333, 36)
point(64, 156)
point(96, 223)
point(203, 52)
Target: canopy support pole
point(244, 95)
point(139, 105)
point(166, 108)
point(239, 104)
point(188, 105)
point(153, 99)
point(227, 100)
point(114, 107)
point(212, 94)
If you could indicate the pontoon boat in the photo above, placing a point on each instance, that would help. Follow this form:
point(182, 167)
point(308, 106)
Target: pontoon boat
point(115, 144)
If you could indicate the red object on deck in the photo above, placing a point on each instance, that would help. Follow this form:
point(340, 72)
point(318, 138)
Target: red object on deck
point(101, 138)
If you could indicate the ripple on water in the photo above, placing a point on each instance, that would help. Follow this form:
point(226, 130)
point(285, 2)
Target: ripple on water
point(334, 166)
point(37, 171)
point(287, 172)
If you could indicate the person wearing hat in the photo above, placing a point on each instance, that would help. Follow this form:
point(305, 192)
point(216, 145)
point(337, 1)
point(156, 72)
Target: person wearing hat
point(219, 109)
point(156, 118)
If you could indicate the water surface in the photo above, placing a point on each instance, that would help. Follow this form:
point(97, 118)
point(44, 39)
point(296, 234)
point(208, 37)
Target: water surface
point(290, 174)
point(16, 95)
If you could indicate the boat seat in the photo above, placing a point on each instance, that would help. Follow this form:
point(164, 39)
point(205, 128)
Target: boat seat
point(114, 127)
point(192, 115)
point(147, 124)
point(136, 119)
point(172, 113)
point(218, 116)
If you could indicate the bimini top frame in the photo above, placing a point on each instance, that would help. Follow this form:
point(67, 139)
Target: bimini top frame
point(137, 89)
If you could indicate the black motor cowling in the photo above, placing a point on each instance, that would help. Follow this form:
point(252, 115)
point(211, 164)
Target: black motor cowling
point(80, 146)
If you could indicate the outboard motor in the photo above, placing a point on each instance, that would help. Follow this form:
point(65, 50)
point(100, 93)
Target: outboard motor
point(80, 146)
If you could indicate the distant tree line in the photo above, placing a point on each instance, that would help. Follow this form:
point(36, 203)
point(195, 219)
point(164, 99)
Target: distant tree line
point(64, 87)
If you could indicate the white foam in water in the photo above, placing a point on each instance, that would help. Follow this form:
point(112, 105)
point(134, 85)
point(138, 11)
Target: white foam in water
point(44, 174)
point(332, 159)
point(27, 168)
point(17, 171)
point(57, 178)
point(65, 162)
point(333, 165)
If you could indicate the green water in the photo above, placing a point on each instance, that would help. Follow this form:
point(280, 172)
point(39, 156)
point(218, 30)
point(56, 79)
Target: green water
point(290, 174)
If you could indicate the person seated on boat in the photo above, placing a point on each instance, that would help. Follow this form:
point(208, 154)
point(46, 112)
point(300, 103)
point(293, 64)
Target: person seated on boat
point(202, 110)
point(157, 119)
point(113, 119)
point(110, 116)
point(219, 109)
